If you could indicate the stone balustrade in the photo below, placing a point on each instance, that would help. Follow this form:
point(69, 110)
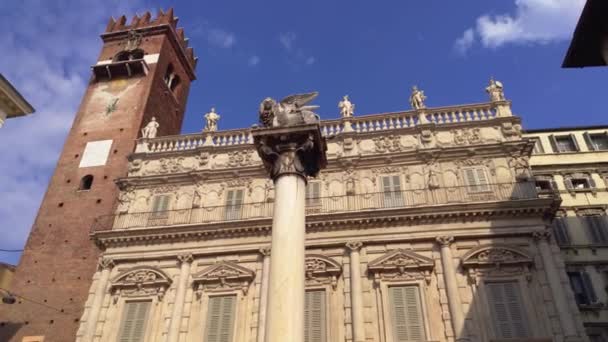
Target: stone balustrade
point(358, 124)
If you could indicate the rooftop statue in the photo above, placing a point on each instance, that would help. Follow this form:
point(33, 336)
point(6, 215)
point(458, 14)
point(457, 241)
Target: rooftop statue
point(150, 130)
point(417, 98)
point(347, 108)
point(212, 118)
point(290, 111)
point(495, 90)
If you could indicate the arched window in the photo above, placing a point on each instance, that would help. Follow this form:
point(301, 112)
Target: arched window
point(129, 55)
point(171, 79)
point(86, 182)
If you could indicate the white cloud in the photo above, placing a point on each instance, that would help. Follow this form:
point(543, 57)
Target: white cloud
point(253, 60)
point(287, 39)
point(310, 60)
point(49, 63)
point(534, 21)
point(221, 38)
point(296, 55)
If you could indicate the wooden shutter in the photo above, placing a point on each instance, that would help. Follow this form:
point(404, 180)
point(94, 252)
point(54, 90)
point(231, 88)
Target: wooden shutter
point(134, 321)
point(588, 285)
point(476, 180)
point(220, 319)
point(234, 201)
point(161, 203)
point(313, 193)
point(553, 143)
point(391, 186)
point(560, 228)
point(596, 226)
point(506, 306)
point(406, 313)
point(314, 316)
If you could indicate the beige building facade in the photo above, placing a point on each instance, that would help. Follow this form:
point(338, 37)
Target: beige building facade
point(574, 162)
point(426, 225)
point(12, 104)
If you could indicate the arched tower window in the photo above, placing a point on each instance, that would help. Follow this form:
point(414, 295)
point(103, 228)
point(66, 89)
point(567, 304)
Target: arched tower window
point(129, 55)
point(86, 182)
point(171, 78)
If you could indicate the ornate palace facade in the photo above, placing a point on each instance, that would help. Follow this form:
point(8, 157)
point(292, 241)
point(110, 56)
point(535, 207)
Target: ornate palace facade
point(426, 224)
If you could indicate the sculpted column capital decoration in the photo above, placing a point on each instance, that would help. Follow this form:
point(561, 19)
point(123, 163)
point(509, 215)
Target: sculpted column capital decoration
point(445, 240)
point(265, 251)
point(185, 258)
point(106, 263)
point(297, 150)
point(354, 246)
point(542, 236)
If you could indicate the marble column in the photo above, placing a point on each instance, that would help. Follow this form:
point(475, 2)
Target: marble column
point(356, 292)
point(180, 295)
point(290, 154)
point(451, 287)
point(263, 294)
point(557, 289)
point(105, 265)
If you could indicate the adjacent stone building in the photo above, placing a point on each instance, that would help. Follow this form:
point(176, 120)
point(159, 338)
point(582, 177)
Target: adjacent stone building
point(574, 162)
point(426, 225)
point(12, 104)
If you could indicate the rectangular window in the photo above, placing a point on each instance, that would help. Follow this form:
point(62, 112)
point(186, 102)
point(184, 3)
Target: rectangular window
point(234, 204)
point(597, 227)
point(596, 141)
point(538, 146)
point(313, 194)
point(220, 319)
point(134, 320)
point(582, 288)
point(476, 180)
point(564, 143)
point(160, 206)
point(406, 313)
point(560, 230)
point(508, 315)
point(391, 187)
point(314, 316)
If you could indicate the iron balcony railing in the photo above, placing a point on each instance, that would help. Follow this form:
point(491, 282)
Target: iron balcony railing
point(325, 205)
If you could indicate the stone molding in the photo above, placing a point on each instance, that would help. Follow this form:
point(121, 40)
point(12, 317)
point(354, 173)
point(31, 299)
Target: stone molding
point(496, 260)
point(221, 276)
point(445, 240)
point(105, 263)
point(401, 264)
point(265, 251)
point(320, 270)
point(140, 281)
point(354, 246)
point(542, 236)
point(185, 258)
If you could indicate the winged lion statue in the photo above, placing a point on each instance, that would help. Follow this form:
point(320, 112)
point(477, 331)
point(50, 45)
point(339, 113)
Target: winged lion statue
point(290, 111)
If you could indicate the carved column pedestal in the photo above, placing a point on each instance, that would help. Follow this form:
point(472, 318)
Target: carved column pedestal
point(290, 154)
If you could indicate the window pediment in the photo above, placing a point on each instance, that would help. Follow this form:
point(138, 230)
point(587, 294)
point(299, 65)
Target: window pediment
point(141, 281)
point(496, 261)
point(223, 275)
point(401, 264)
point(320, 269)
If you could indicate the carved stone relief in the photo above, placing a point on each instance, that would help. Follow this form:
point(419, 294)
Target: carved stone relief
point(140, 281)
point(390, 143)
point(321, 270)
point(496, 260)
point(240, 158)
point(469, 136)
point(401, 264)
point(221, 276)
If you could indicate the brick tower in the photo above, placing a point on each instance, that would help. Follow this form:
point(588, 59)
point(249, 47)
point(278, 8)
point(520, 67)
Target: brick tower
point(144, 70)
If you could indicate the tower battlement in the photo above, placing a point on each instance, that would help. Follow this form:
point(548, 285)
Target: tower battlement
point(117, 28)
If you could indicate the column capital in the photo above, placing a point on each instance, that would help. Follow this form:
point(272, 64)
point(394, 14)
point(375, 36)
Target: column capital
point(185, 258)
point(354, 246)
point(542, 236)
point(265, 251)
point(106, 263)
point(297, 150)
point(445, 240)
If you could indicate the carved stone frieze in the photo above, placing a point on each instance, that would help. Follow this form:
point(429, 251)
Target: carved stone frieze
point(521, 165)
point(140, 281)
point(465, 136)
point(511, 131)
point(203, 158)
point(496, 260)
point(164, 189)
point(388, 143)
point(135, 165)
point(401, 264)
point(125, 199)
point(221, 276)
point(320, 270)
point(240, 158)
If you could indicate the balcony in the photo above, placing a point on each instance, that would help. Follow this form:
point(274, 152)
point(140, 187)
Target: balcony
point(380, 203)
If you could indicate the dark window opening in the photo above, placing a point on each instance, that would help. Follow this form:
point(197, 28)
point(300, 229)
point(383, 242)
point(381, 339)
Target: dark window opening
point(171, 78)
point(543, 185)
point(582, 288)
point(86, 183)
point(580, 183)
point(129, 55)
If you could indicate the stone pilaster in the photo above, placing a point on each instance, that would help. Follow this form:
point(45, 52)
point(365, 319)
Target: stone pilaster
point(356, 291)
point(185, 261)
point(263, 293)
point(451, 286)
point(105, 266)
point(290, 155)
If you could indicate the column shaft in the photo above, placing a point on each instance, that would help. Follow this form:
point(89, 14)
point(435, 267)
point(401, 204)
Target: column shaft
point(180, 296)
point(286, 288)
point(91, 326)
point(356, 294)
point(263, 295)
point(451, 286)
point(559, 294)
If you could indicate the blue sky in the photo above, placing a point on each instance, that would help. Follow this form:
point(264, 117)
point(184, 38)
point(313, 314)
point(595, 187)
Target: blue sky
point(248, 50)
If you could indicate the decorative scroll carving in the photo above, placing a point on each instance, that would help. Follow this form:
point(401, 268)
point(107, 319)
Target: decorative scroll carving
point(354, 245)
point(401, 264)
point(221, 276)
point(164, 189)
point(320, 269)
point(140, 281)
point(445, 240)
point(467, 135)
point(239, 158)
point(542, 236)
point(105, 263)
point(390, 143)
point(265, 251)
point(185, 258)
point(135, 165)
point(496, 260)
